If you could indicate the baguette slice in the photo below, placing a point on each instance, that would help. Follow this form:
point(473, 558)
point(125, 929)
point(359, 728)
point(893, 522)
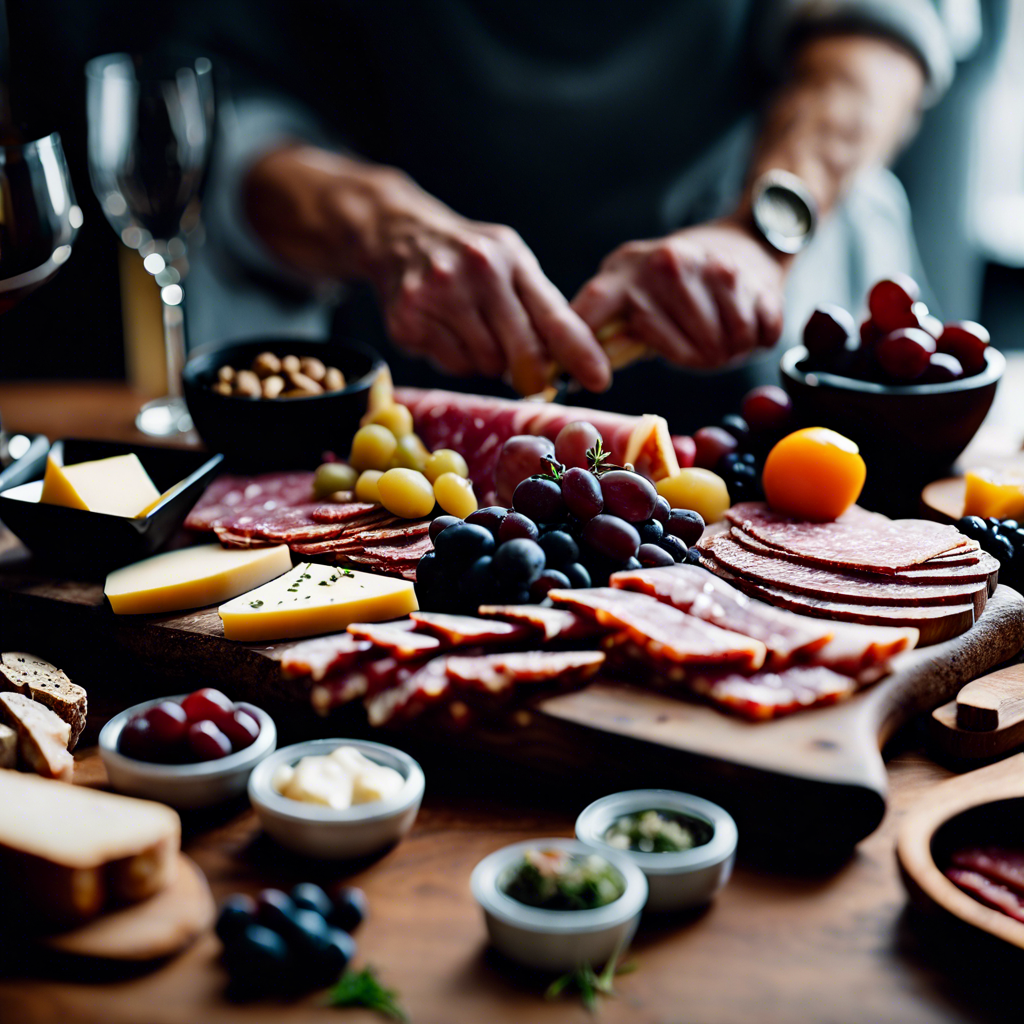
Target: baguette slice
point(47, 684)
point(8, 747)
point(66, 852)
point(42, 736)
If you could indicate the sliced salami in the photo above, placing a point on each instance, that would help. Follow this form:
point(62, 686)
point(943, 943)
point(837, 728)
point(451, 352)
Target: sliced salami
point(396, 639)
point(342, 513)
point(765, 694)
point(459, 630)
point(498, 673)
point(324, 655)
point(551, 623)
point(228, 496)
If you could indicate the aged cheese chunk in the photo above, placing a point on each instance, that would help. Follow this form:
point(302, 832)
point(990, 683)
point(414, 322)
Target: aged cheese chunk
point(192, 577)
point(65, 849)
point(47, 684)
point(42, 737)
point(8, 747)
point(118, 486)
point(994, 493)
point(316, 598)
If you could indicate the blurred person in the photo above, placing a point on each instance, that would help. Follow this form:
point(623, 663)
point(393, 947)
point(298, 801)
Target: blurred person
point(506, 180)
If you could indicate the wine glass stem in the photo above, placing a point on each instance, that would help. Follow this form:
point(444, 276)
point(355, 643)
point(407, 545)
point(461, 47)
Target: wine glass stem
point(174, 345)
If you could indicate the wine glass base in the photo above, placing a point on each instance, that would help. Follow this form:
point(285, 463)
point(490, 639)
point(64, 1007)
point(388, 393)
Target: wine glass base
point(164, 417)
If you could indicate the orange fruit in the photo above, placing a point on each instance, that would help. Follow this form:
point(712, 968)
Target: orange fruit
point(813, 474)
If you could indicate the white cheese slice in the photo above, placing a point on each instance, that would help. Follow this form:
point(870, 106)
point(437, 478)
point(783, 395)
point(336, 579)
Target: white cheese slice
point(118, 486)
point(192, 577)
point(316, 598)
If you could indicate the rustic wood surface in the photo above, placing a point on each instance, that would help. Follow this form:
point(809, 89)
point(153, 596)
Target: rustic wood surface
point(829, 943)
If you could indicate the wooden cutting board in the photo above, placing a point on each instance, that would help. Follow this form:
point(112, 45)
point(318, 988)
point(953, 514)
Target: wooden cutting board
point(816, 777)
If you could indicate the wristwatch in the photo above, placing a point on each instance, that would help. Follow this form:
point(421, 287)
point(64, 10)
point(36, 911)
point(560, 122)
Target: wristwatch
point(784, 211)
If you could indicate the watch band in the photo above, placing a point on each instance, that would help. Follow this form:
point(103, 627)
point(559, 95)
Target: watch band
point(783, 210)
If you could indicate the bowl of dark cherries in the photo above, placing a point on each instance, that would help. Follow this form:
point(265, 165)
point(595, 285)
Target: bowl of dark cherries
point(908, 388)
point(188, 751)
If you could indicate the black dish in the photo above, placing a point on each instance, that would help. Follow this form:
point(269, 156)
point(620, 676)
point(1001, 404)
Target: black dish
point(257, 434)
point(95, 543)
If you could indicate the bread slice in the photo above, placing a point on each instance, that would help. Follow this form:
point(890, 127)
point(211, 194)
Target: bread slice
point(42, 736)
point(66, 852)
point(43, 682)
point(8, 747)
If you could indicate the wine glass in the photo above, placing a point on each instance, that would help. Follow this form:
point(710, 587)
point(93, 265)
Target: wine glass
point(39, 220)
point(150, 132)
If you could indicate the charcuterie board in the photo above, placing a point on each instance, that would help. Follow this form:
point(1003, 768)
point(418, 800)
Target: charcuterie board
point(822, 767)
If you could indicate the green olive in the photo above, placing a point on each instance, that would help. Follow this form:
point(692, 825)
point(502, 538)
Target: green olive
point(333, 476)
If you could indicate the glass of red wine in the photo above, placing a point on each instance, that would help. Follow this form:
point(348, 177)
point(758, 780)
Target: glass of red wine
point(150, 133)
point(39, 219)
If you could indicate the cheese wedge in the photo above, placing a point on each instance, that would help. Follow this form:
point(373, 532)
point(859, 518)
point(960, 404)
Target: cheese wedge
point(118, 486)
point(316, 598)
point(192, 577)
point(160, 497)
point(65, 851)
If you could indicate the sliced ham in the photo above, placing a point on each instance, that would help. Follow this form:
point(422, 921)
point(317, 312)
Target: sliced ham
point(501, 673)
point(551, 623)
point(460, 630)
point(396, 639)
point(324, 655)
point(769, 694)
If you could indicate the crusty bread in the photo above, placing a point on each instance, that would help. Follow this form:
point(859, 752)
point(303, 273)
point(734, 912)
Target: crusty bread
point(42, 736)
point(66, 852)
point(8, 747)
point(43, 682)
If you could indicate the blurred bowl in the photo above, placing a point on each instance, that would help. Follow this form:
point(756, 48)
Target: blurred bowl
point(279, 433)
point(908, 434)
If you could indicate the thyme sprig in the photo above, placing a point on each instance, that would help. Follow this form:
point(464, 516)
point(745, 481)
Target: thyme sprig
point(363, 988)
point(588, 983)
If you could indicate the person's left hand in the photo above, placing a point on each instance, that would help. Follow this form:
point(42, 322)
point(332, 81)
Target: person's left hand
point(701, 297)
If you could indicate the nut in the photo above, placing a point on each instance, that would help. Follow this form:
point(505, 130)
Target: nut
point(334, 379)
point(248, 384)
point(222, 387)
point(313, 368)
point(266, 364)
point(291, 364)
point(226, 374)
point(300, 382)
point(273, 386)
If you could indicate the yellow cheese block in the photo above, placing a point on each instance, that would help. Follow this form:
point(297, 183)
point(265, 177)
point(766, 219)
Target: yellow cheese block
point(192, 577)
point(160, 497)
point(118, 486)
point(992, 493)
point(315, 598)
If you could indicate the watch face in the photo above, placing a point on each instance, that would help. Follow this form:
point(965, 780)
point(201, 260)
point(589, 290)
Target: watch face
point(784, 216)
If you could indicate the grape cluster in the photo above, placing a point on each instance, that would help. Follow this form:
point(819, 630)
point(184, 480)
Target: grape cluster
point(573, 521)
point(281, 942)
point(1003, 539)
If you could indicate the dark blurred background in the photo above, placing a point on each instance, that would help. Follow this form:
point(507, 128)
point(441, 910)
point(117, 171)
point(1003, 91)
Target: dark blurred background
point(964, 172)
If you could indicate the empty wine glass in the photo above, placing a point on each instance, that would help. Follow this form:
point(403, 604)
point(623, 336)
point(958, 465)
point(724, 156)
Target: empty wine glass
point(150, 133)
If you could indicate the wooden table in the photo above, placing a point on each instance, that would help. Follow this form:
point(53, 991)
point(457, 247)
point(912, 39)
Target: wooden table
point(776, 948)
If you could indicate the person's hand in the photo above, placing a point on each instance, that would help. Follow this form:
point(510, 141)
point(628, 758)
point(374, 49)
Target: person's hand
point(701, 297)
point(472, 297)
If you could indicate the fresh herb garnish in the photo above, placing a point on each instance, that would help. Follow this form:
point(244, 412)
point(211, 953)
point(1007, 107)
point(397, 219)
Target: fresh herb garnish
point(255, 604)
point(362, 988)
point(597, 457)
point(551, 469)
point(349, 573)
point(585, 981)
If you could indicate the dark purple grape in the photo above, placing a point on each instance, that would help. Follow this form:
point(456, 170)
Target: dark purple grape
point(628, 495)
point(549, 579)
point(574, 441)
point(350, 907)
point(274, 909)
point(661, 510)
point(516, 525)
point(137, 740)
point(236, 913)
point(581, 493)
point(305, 933)
point(735, 425)
point(650, 532)
point(310, 896)
point(336, 951)
point(426, 570)
point(559, 548)
point(577, 575)
point(693, 556)
point(490, 518)
point(686, 525)
point(519, 561)
point(539, 499)
point(520, 458)
point(463, 543)
point(442, 523)
point(651, 556)
point(674, 546)
point(477, 584)
point(612, 537)
point(631, 564)
point(206, 742)
point(257, 959)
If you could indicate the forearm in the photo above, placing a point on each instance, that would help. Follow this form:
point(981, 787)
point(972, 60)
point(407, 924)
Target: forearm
point(849, 104)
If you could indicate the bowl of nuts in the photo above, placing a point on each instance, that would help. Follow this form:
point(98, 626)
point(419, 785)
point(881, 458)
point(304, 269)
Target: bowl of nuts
point(273, 403)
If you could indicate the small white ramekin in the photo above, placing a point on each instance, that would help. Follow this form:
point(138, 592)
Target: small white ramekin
point(557, 940)
point(185, 786)
point(677, 880)
point(317, 831)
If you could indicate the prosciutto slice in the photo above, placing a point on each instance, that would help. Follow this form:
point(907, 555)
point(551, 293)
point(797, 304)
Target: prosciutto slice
point(500, 673)
point(323, 656)
point(552, 623)
point(765, 695)
point(459, 630)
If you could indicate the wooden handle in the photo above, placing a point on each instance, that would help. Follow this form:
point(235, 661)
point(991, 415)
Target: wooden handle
point(995, 701)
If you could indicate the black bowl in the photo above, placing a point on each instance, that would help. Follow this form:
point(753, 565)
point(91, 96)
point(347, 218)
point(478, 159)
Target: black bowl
point(257, 434)
point(908, 434)
point(93, 542)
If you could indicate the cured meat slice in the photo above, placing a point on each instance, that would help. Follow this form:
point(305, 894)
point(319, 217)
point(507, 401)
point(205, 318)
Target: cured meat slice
point(231, 495)
point(553, 623)
point(829, 584)
point(499, 673)
point(984, 890)
point(459, 630)
point(323, 656)
point(664, 632)
point(277, 526)
point(427, 685)
point(397, 638)
point(358, 540)
point(344, 513)
point(1002, 865)
point(382, 554)
point(856, 540)
point(700, 593)
point(766, 695)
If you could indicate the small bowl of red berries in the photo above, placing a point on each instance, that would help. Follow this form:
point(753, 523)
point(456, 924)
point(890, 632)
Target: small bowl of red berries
point(193, 750)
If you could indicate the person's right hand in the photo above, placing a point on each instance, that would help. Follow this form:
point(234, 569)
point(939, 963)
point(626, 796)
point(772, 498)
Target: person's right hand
point(471, 297)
